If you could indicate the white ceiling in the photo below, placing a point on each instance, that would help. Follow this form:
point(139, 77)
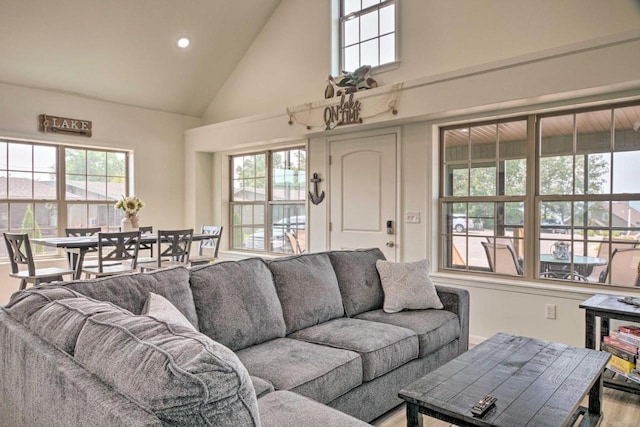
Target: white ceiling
point(125, 51)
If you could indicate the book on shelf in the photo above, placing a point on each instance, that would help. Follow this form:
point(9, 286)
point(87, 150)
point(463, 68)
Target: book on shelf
point(628, 337)
point(630, 329)
point(619, 352)
point(620, 365)
point(614, 342)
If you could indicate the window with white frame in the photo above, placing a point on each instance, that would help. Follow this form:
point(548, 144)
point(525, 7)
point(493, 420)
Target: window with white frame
point(268, 201)
point(45, 188)
point(367, 33)
point(547, 196)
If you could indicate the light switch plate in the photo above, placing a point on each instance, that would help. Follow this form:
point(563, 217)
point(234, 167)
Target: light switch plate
point(412, 217)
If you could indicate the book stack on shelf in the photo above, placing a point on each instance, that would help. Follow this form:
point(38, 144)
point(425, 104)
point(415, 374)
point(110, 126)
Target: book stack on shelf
point(623, 345)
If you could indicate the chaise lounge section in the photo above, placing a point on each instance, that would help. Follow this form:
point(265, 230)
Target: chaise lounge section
point(301, 340)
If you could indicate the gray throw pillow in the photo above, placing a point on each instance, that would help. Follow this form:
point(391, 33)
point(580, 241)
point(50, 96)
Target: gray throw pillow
point(407, 286)
point(161, 309)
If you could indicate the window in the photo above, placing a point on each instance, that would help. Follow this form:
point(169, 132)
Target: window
point(45, 188)
point(268, 201)
point(579, 199)
point(367, 33)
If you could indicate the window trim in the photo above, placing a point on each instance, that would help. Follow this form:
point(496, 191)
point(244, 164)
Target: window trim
point(338, 37)
point(268, 202)
point(60, 200)
point(532, 197)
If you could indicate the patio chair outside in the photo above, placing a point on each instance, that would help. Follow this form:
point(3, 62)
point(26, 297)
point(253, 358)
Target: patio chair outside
point(502, 259)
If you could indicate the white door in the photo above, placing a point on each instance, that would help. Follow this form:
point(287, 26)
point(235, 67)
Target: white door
point(363, 194)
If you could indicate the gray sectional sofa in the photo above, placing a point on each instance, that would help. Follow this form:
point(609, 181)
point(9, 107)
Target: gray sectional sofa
point(301, 340)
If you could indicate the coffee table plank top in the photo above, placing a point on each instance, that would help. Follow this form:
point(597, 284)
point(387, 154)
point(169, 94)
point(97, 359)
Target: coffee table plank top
point(537, 382)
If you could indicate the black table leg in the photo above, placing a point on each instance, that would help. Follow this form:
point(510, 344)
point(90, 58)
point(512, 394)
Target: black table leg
point(590, 330)
point(414, 418)
point(595, 397)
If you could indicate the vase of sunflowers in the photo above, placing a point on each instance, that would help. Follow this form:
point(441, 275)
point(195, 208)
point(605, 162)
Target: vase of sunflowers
point(131, 206)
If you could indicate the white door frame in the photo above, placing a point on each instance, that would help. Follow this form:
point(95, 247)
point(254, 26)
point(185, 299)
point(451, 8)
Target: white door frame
point(397, 132)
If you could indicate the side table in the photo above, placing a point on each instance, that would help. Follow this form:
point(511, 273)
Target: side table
point(608, 307)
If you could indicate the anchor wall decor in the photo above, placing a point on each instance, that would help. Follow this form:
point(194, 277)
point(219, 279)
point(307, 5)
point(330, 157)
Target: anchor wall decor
point(314, 196)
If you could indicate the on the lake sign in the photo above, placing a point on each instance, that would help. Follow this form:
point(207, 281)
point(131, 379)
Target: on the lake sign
point(64, 125)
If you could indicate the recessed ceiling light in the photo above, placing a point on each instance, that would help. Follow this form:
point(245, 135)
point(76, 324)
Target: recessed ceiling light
point(183, 42)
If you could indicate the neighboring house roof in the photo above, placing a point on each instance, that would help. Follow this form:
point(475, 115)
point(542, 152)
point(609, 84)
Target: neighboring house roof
point(625, 215)
point(47, 189)
point(247, 193)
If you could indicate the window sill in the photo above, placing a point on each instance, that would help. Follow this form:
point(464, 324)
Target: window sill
point(504, 284)
point(389, 66)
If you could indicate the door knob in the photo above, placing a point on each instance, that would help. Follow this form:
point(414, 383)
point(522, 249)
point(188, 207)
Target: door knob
point(390, 244)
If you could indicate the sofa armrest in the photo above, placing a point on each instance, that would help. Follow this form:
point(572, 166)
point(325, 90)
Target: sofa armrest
point(456, 300)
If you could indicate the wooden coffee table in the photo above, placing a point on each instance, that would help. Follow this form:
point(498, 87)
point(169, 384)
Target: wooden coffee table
point(537, 383)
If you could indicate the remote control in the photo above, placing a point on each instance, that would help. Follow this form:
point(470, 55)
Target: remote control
point(481, 408)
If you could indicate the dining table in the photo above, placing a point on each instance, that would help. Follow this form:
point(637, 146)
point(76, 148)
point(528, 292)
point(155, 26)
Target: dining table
point(78, 246)
point(580, 266)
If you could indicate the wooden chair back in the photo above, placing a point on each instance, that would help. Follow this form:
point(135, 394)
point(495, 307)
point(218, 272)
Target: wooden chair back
point(212, 243)
point(83, 232)
point(174, 246)
point(118, 246)
point(20, 253)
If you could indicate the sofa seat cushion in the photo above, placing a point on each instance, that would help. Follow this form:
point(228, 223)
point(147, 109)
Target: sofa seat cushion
point(358, 279)
point(236, 302)
point(182, 376)
point(308, 290)
point(381, 346)
point(261, 386)
point(286, 409)
point(318, 372)
point(60, 322)
point(435, 328)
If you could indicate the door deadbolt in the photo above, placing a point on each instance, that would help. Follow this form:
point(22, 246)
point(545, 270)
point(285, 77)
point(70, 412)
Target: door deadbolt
point(390, 244)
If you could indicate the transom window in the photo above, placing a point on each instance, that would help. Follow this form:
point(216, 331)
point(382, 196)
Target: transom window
point(547, 197)
point(268, 201)
point(45, 188)
point(367, 33)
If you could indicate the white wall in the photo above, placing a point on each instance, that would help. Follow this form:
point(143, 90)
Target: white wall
point(156, 139)
point(289, 62)
point(460, 60)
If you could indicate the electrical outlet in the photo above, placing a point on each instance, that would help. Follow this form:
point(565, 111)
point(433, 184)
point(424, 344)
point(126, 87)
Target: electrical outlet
point(550, 311)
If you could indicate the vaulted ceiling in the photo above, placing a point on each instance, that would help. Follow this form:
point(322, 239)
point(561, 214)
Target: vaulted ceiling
point(125, 51)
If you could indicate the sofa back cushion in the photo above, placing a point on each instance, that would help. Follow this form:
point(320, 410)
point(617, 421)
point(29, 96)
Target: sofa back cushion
point(130, 291)
point(358, 279)
point(236, 303)
point(60, 321)
point(24, 304)
point(308, 290)
point(182, 376)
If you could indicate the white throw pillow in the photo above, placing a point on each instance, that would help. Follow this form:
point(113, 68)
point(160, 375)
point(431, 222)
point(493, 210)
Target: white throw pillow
point(161, 309)
point(407, 286)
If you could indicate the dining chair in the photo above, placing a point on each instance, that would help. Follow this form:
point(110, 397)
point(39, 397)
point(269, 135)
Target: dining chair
point(121, 247)
point(502, 259)
point(624, 267)
point(173, 248)
point(72, 256)
point(19, 249)
point(146, 246)
point(208, 248)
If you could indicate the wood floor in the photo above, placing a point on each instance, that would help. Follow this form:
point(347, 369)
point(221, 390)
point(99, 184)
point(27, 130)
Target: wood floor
point(620, 409)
